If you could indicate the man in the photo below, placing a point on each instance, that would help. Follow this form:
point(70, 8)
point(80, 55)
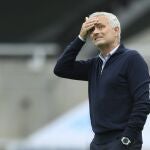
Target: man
point(118, 84)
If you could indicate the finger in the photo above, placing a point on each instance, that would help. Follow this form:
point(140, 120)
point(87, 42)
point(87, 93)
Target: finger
point(89, 24)
point(86, 18)
point(94, 21)
point(90, 27)
point(92, 18)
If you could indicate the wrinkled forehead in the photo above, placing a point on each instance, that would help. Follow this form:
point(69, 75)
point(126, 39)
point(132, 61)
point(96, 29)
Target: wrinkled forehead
point(100, 18)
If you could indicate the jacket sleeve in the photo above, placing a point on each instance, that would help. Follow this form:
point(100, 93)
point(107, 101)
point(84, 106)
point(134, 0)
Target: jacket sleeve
point(68, 67)
point(138, 78)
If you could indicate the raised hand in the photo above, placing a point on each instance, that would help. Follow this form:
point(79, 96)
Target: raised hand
point(87, 26)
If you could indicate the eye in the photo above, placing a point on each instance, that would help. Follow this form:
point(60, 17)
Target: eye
point(100, 26)
point(91, 30)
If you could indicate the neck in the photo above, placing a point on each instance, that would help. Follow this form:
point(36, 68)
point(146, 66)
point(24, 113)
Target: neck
point(105, 49)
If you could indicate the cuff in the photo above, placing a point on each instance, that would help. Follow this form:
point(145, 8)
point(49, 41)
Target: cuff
point(81, 38)
point(131, 134)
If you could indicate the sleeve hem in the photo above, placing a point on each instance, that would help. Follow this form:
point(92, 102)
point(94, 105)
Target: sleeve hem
point(131, 133)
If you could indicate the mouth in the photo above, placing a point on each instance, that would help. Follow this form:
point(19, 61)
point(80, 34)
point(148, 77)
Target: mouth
point(98, 38)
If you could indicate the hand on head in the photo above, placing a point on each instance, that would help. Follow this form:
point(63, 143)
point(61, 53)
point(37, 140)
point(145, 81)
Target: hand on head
point(87, 26)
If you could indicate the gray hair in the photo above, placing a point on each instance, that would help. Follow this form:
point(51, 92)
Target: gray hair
point(113, 20)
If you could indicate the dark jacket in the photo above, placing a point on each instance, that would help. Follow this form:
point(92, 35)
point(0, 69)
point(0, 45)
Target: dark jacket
point(119, 96)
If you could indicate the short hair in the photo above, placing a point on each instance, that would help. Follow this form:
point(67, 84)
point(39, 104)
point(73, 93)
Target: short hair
point(113, 20)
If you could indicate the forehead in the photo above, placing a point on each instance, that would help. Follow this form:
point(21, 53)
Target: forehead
point(101, 19)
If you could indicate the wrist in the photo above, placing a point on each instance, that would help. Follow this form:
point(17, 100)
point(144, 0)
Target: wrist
point(82, 38)
point(131, 133)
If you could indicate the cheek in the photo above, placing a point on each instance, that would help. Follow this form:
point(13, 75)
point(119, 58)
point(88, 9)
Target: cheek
point(92, 36)
point(110, 34)
point(106, 32)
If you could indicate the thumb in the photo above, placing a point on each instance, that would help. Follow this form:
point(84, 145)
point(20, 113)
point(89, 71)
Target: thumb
point(86, 18)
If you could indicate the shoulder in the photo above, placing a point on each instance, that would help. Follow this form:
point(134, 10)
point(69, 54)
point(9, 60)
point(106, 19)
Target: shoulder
point(126, 52)
point(134, 58)
point(133, 54)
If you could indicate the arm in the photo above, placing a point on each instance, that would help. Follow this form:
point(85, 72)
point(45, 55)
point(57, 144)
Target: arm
point(139, 80)
point(68, 67)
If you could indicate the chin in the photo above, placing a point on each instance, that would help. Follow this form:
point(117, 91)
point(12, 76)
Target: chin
point(101, 43)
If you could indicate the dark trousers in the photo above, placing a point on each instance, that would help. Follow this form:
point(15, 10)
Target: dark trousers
point(114, 144)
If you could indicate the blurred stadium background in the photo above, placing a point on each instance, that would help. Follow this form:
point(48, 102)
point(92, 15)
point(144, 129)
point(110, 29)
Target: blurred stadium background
point(33, 100)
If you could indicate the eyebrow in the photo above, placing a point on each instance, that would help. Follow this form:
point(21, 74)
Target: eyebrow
point(99, 24)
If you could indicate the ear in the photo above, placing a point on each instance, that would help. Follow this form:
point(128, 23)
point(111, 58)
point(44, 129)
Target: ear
point(116, 29)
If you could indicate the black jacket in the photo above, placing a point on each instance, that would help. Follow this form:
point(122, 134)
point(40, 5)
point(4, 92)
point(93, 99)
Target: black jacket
point(119, 96)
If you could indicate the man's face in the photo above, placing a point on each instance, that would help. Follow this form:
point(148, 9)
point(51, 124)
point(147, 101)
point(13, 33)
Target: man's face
point(103, 33)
